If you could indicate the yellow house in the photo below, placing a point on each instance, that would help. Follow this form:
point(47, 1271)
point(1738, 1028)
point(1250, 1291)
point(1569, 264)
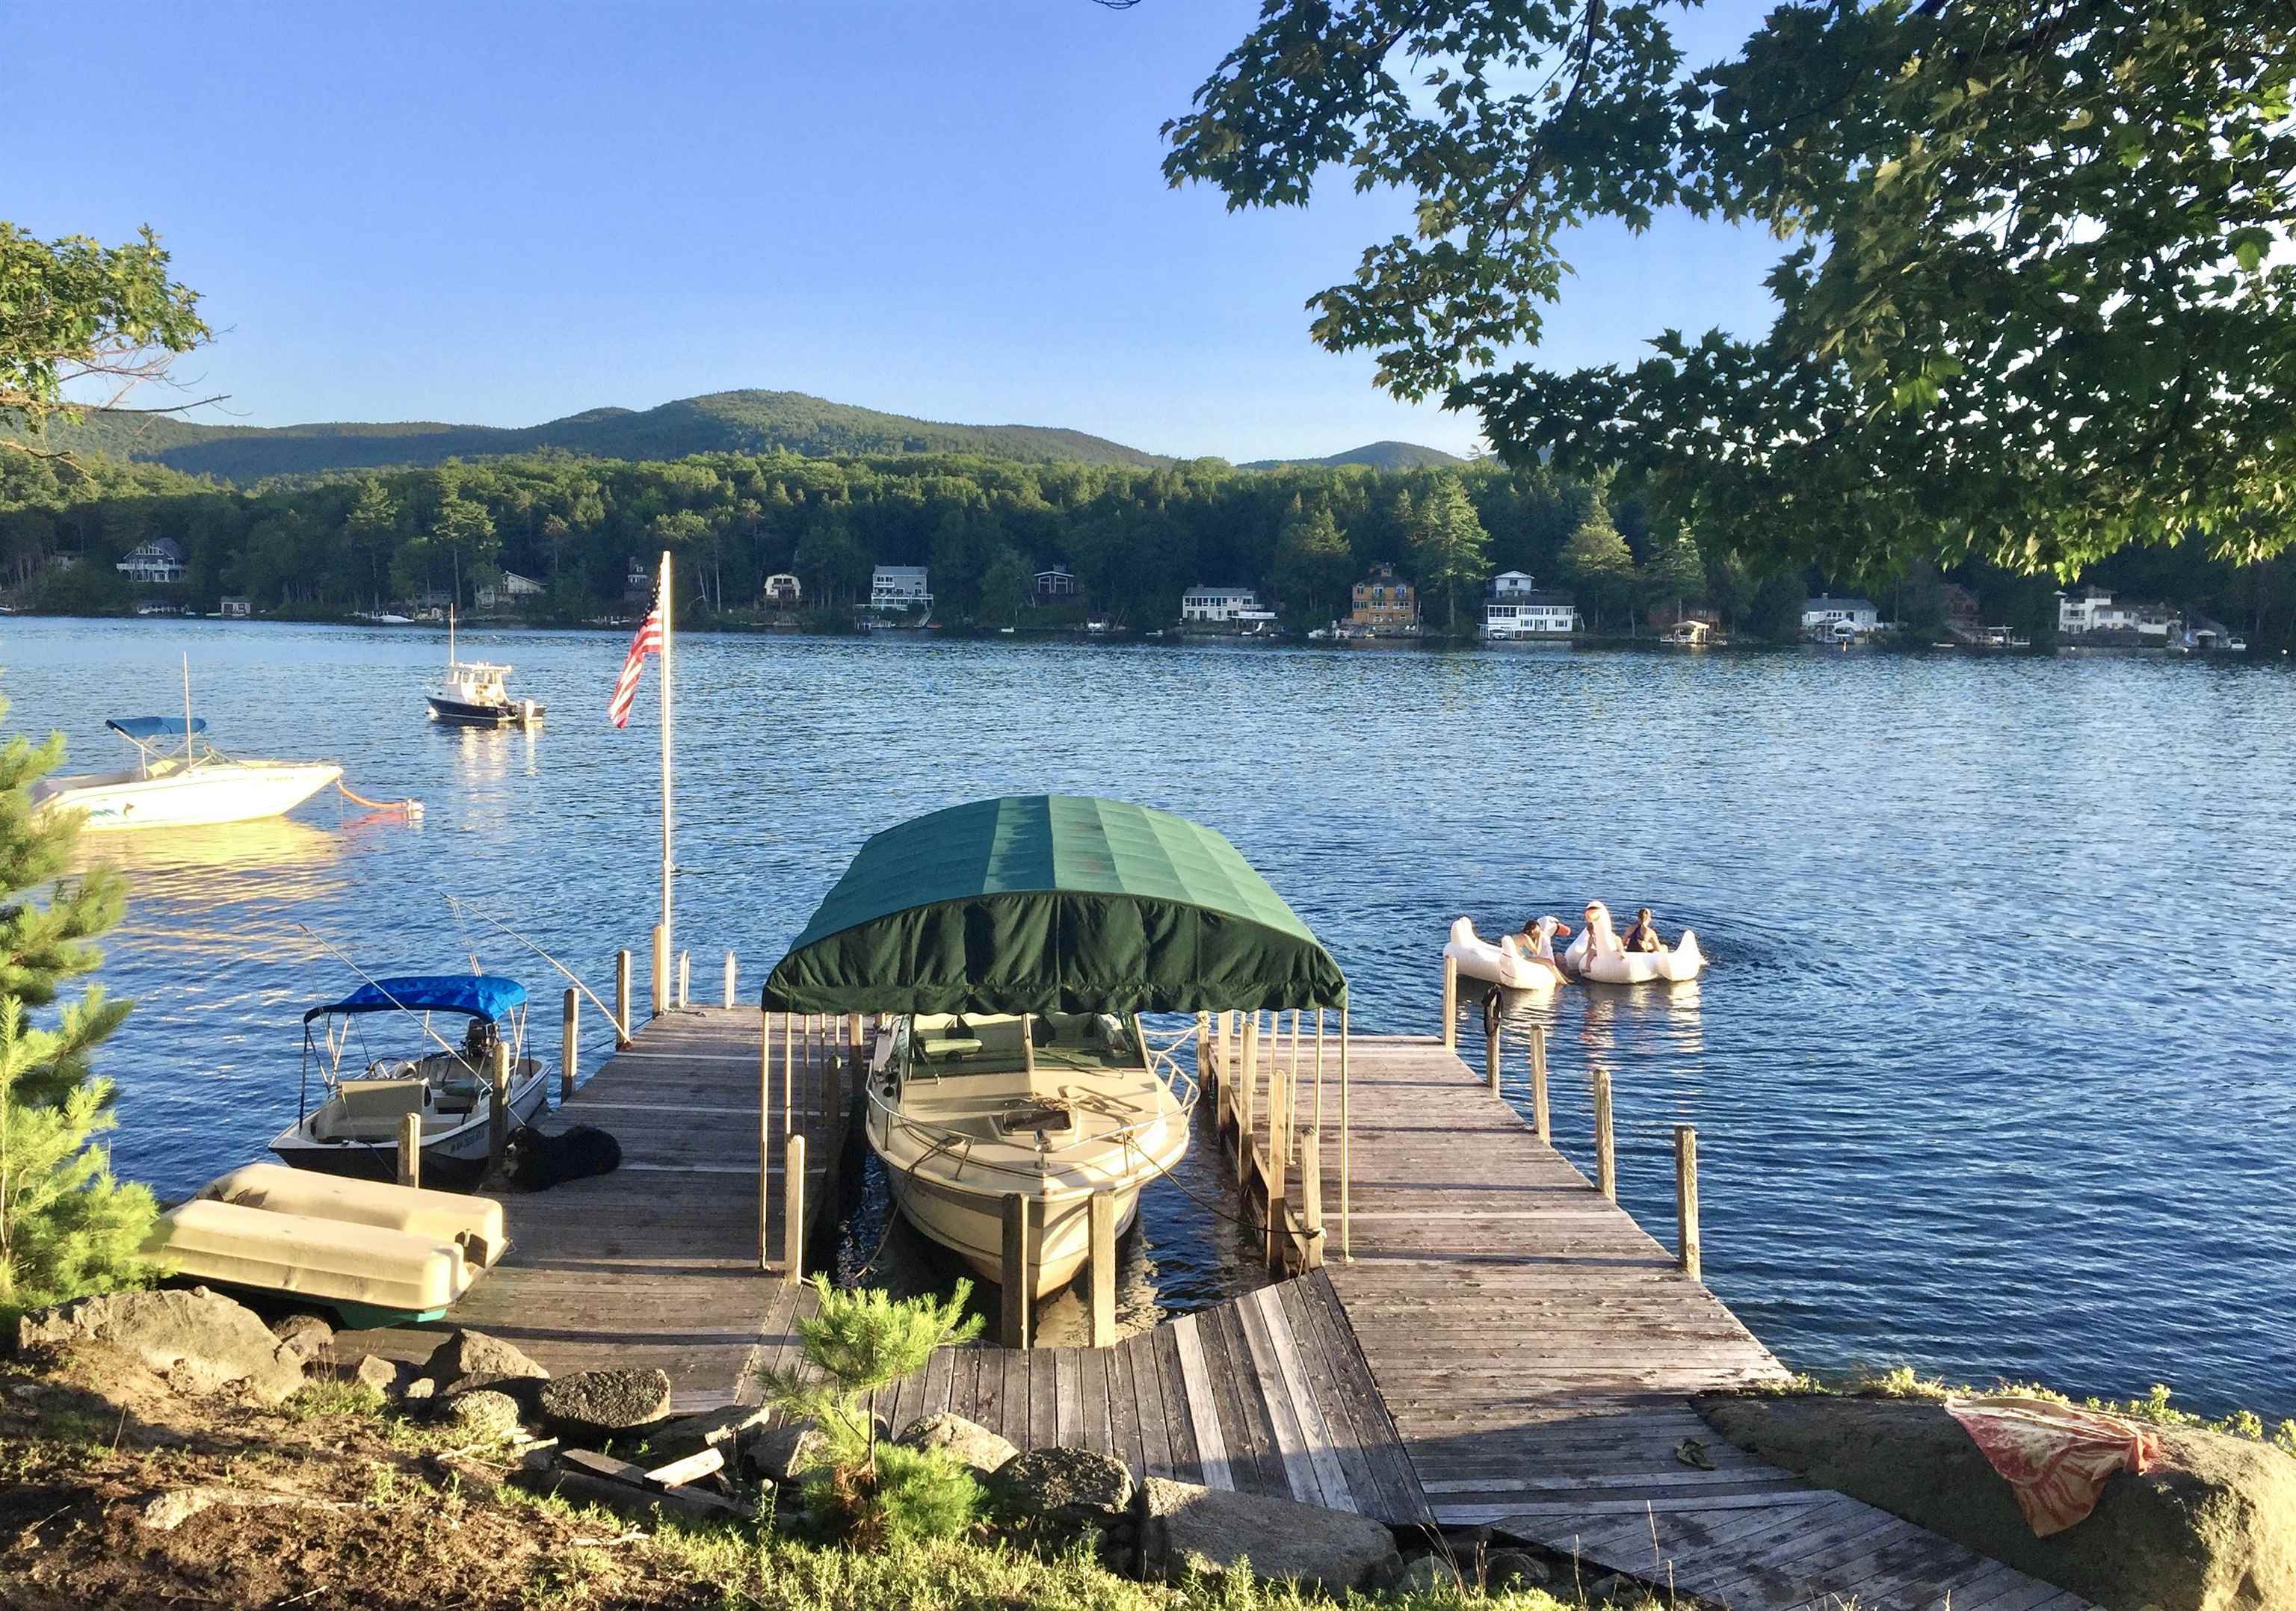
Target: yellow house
point(1383, 599)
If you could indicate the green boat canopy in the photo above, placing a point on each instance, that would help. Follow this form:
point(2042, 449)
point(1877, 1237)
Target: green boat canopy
point(1053, 903)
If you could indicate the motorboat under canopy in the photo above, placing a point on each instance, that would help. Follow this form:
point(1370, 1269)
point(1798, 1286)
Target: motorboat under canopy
point(485, 996)
point(1036, 904)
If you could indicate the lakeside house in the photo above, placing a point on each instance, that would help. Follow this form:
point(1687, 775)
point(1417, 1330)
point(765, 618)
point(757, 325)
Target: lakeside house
point(900, 587)
point(1383, 600)
point(1222, 604)
point(2156, 621)
point(158, 561)
point(234, 608)
point(1055, 584)
point(1528, 613)
point(506, 593)
point(1514, 584)
point(1964, 617)
point(2091, 610)
point(1827, 616)
point(781, 590)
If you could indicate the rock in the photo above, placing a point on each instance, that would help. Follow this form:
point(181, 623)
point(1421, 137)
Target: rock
point(1618, 1586)
point(171, 1509)
point(311, 1338)
point(484, 1415)
point(725, 1430)
point(973, 1444)
point(475, 1360)
point(1062, 1484)
point(388, 1377)
point(782, 1454)
point(597, 1403)
point(2213, 1525)
point(420, 1391)
point(200, 1340)
point(1505, 1570)
point(1183, 1527)
point(1426, 1574)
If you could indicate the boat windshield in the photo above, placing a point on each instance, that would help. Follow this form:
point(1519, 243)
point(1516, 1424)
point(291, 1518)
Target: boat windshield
point(941, 1044)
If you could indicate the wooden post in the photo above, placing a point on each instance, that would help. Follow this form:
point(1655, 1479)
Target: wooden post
point(789, 1071)
point(1491, 1066)
point(1014, 1294)
point(1450, 1003)
point(1347, 1178)
point(1223, 1023)
point(685, 977)
point(1685, 1198)
point(659, 986)
point(498, 1110)
point(570, 1043)
point(1278, 1234)
point(729, 979)
point(1539, 1115)
point(1204, 1052)
point(410, 1150)
point(793, 1206)
point(1311, 1196)
point(621, 999)
point(1606, 1158)
point(1245, 1083)
point(764, 1138)
point(1102, 1209)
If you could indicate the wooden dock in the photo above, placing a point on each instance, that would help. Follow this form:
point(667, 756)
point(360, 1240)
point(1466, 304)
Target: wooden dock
point(1490, 1341)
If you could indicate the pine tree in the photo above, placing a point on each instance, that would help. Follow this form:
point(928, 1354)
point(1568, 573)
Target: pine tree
point(66, 1226)
point(1596, 559)
point(1450, 548)
point(1312, 560)
point(1677, 573)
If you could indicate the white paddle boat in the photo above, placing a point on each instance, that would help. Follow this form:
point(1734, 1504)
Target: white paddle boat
point(1509, 964)
point(1596, 954)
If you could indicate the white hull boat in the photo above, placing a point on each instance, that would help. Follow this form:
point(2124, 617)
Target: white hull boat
point(1596, 954)
point(182, 786)
point(1058, 1108)
point(1506, 963)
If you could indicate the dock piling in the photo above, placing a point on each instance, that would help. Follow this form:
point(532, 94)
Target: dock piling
point(1539, 1115)
point(1102, 1210)
point(569, 1042)
point(793, 1206)
point(729, 979)
point(685, 977)
point(658, 986)
point(1685, 1198)
point(410, 1150)
point(1277, 1188)
point(498, 1110)
point(1311, 1197)
point(1606, 1158)
point(764, 1138)
point(1013, 1292)
point(1492, 1067)
point(622, 999)
point(1450, 1003)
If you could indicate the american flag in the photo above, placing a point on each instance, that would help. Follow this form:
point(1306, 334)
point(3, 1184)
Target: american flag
point(647, 641)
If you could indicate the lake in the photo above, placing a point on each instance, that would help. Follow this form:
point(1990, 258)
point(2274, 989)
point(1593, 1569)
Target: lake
point(1990, 1070)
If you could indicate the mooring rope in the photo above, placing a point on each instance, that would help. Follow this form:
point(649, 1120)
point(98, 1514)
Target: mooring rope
point(413, 807)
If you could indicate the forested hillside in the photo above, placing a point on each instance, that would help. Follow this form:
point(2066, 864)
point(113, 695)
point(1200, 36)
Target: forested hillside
point(1375, 455)
point(730, 421)
point(1134, 538)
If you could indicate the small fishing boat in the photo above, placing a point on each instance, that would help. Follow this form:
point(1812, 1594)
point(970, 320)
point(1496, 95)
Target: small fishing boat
point(354, 1129)
point(1508, 964)
point(177, 782)
point(1596, 954)
point(476, 693)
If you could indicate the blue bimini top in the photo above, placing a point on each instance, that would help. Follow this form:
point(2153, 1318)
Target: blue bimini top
point(485, 996)
point(140, 728)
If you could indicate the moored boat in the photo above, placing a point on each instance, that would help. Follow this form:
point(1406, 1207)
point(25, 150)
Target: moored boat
point(177, 781)
point(354, 1129)
point(476, 693)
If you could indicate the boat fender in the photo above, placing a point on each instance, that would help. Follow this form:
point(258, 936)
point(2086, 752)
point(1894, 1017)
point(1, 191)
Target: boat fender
point(539, 1160)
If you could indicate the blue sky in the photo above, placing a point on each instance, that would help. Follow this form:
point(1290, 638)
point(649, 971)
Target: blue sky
point(501, 214)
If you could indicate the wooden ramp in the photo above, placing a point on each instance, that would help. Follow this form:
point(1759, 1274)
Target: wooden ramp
point(657, 1264)
point(1536, 1349)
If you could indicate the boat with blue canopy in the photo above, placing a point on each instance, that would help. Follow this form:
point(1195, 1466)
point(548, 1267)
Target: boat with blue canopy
point(354, 1128)
point(179, 780)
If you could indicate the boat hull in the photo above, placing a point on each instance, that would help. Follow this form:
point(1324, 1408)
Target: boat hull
point(201, 798)
point(971, 1226)
point(461, 712)
point(453, 1159)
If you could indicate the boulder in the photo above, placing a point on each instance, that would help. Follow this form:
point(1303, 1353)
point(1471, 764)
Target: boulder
point(388, 1377)
point(1505, 1571)
point(484, 1416)
point(599, 1403)
point(726, 1430)
point(1423, 1574)
point(972, 1444)
point(1183, 1528)
point(474, 1358)
point(782, 1454)
point(2213, 1526)
point(200, 1340)
point(312, 1339)
point(1062, 1484)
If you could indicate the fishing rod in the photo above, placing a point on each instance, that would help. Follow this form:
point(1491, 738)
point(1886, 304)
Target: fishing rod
point(343, 957)
point(621, 1029)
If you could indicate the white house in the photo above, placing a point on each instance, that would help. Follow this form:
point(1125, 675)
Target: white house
point(1514, 584)
point(1523, 613)
point(509, 590)
point(1221, 604)
point(1825, 613)
point(783, 590)
point(1055, 583)
point(2091, 610)
point(2156, 621)
point(899, 587)
point(233, 606)
point(158, 561)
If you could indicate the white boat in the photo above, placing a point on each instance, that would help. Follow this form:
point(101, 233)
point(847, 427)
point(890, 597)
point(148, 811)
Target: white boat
point(354, 1129)
point(1509, 963)
point(1596, 954)
point(476, 693)
point(964, 1109)
point(179, 782)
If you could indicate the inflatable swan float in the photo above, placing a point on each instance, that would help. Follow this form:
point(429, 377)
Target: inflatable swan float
point(1507, 964)
point(1596, 954)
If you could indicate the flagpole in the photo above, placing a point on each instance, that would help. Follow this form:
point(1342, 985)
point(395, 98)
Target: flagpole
point(668, 858)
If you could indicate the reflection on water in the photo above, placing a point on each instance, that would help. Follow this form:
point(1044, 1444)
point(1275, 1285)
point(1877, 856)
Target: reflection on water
point(1947, 1115)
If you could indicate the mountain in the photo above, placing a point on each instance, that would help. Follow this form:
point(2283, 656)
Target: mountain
point(1379, 455)
point(725, 422)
